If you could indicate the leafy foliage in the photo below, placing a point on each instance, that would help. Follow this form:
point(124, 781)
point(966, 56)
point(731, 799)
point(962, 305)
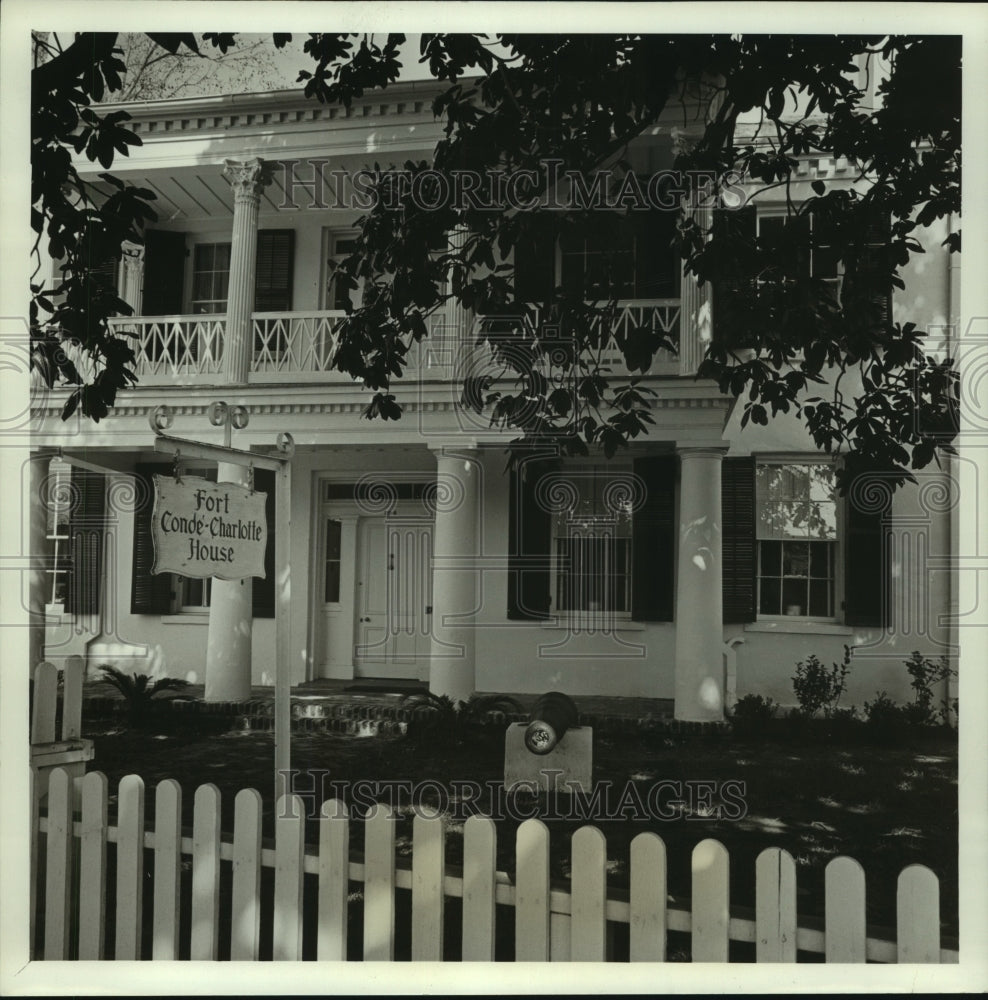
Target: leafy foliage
point(818, 687)
point(140, 690)
point(440, 718)
point(754, 104)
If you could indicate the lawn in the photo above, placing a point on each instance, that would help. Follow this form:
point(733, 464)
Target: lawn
point(885, 805)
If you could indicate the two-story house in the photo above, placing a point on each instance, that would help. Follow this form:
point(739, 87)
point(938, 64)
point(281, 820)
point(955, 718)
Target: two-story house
point(699, 564)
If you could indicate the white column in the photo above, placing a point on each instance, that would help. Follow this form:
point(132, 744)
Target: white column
point(247, 178)
point(699, 687)
point(695, 313)
point(456, 541)
point(231, 619)
point(132, 286)
point(40, 498)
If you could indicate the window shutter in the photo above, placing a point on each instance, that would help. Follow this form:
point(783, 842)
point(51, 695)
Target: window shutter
point(653, 540)
point(273, 275)
point(866, 571)
point(86, 526)
point(263, 590)
point(529, 542)
point(734, 290)
point(657, 263)
point(164, 273)
point(738, 538)
point(106, 274)
point(149, 594)
point(535, 262)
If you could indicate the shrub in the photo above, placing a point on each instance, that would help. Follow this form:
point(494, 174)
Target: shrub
point(925, 673)
point(753, 709)
point(818, 687)
point(438, 717)
point(883, 713)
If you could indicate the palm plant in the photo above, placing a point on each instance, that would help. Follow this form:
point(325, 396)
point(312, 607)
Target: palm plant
point(139, 690)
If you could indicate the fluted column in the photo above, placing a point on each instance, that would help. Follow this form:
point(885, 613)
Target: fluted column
point(696, 311)
point(247, 178)
point(231, 621)
point(456, 543)
point(699, 687)
point(132, 291)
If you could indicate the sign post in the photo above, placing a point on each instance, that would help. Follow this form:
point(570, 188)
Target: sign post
point(219, 528)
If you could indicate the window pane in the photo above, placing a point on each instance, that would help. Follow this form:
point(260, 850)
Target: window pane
point(821, 605)
point(794, 597)
point(820, 559)
point(795, 559)
point(332, 592)
point(770, 602)
point(771, 558)
point(333, 536)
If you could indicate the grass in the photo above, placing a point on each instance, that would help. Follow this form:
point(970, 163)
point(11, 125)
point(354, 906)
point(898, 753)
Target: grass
point(886, 806)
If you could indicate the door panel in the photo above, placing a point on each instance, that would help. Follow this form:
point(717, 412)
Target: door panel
point(394, 588)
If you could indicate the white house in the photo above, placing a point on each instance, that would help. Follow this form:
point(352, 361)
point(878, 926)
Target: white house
point(678, 569)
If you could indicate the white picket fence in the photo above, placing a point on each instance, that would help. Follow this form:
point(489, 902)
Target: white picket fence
point(551, 924)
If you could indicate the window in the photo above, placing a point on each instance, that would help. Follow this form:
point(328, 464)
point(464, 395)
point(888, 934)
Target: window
point(210, 277)
point(592, 544)
point(59, 533)
point(337, 293)
point(75, 529)
point(331, 584)
point(613, 256)
point(797, 532)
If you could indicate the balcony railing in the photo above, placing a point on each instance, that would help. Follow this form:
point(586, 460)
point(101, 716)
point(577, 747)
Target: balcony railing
point(300, 346)
point(174, 349)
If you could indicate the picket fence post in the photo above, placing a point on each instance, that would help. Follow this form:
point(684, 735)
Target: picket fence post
point(532, 892)
point(844, 911)
point(92, 866)
point(917, 915)
point(58, 867)
point(334, 882)
point(73, 674)
point(245, 904)
point(588, 895)
point(289, 852)
point(205, 873)
point(167, 869)
point(379, 885)
point(648, 899)
point(130, 867)
point(711, 902)
point(45, 703)
point(428, 878)
point(479, 888)
point(775, 906)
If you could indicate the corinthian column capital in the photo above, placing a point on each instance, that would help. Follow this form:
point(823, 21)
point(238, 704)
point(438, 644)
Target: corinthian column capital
point(247, 178)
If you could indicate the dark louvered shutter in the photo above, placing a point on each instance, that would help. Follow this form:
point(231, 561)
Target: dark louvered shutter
point(738, 538)
point(657, 263)
point(106, 274)
point(164, 273)
point(535, 263)
point(273, 275)
point(86, 524)
point(866, 571)
point(263, 590)
point(653, 539)
point(734, 290)
point(149, 594)
point(529, 541)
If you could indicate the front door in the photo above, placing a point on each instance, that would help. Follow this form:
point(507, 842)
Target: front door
point(394, 598)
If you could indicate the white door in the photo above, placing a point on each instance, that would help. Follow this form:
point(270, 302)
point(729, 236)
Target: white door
point(394, 599)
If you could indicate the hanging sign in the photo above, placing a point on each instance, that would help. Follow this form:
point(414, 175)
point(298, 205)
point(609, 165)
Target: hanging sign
point(203, 529)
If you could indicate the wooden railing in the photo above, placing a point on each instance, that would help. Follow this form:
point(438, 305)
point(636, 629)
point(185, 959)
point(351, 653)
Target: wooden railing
point(224, 889)
point(299, 346)
point(174, 349)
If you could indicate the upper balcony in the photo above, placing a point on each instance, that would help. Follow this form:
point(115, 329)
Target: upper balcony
point(300, 347)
